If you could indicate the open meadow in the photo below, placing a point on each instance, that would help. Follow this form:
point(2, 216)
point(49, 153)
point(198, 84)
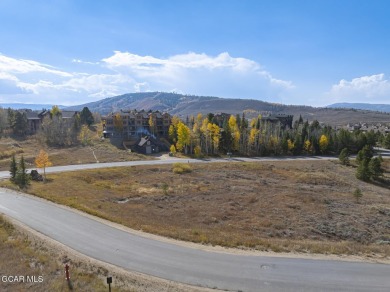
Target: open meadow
point(99, 151)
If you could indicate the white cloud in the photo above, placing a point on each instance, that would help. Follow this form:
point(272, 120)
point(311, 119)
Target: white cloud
point(194, 73)
point(20, 66)
point(124, 72)
point(78, 61)
point(372, 89)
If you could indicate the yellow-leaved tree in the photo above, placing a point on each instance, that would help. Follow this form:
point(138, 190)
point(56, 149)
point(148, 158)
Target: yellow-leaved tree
point(290, 145)
point(42, 161)
point(307, 146)
point(235, 132)
point(183, 137)
point(324, 142)
point(118, 123)
point(172, 149)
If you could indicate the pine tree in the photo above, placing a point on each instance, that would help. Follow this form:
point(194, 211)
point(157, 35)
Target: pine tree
point(363, 158)
point(375, 168)
point(386, 141)
point(357, 194)
point(344, 157)
point(20, 124)
point(22, 178)
point(13, 168)
point(365, 154)
point(363, 171)
point(86, 116)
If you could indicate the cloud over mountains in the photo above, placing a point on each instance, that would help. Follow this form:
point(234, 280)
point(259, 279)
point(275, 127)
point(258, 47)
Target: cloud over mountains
point(371, 89)
point(222, 75)
point(123, 72)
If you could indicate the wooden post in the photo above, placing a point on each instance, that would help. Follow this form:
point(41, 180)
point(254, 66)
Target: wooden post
point(67, 272)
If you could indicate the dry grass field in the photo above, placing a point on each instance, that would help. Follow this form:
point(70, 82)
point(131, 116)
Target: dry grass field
point(284, 206)
point(100, 150)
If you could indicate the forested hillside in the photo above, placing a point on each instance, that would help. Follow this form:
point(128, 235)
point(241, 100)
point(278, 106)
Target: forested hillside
point(186, 105)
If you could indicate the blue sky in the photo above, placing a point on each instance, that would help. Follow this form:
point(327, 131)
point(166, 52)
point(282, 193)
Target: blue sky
point(292, 52)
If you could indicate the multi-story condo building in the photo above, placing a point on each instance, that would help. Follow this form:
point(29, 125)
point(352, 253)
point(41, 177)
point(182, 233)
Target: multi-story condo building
point(133, 124)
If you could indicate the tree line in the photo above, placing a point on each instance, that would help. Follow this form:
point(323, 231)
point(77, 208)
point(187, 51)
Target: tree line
point(207, 135)
point(54, 129)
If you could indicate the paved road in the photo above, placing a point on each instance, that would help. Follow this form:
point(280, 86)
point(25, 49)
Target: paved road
point(170, 160)
point(75, 167)
point(188, 265)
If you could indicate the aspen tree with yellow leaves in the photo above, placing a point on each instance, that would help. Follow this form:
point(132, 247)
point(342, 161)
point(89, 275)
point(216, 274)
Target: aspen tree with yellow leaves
point(118, 123)
point(324, 142)
point(307, 146)
point(42, 161)
point(235, 132)
point(183, 137)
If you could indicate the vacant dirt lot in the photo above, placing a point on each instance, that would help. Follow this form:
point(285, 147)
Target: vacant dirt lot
point(302, 206)
point(101, 150)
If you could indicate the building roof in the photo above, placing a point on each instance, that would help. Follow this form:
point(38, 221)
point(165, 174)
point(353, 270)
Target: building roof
point(68, 114)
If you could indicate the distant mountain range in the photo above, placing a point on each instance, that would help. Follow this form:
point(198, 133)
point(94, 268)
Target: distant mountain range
point(28, 106)
point(186, 105)
point(363, 106)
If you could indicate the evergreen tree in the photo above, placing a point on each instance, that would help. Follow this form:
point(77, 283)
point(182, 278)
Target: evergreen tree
point(365, 154)
point(86, 117)
point(13, 168)
point(11, 117)
point(375, 168)
point(357, 194)
point(22, 178)
point(300, 120)
point(344, 157)
point(20, 123)
point(363, 171)
point(386, 141)
point(363, 158)
point(226, 138)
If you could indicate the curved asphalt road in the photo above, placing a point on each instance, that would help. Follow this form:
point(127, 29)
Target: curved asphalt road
point(188, 265)
point(170, 160)
point(182, 264)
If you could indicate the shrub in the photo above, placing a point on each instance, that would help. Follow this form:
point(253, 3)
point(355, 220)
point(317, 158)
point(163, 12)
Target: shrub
point(181, 168)
point(357, 194)
point(165, 189)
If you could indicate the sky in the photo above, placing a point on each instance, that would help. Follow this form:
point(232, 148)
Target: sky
point(316, 53)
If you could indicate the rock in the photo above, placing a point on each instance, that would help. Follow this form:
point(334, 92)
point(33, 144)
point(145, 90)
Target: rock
point(35, 175)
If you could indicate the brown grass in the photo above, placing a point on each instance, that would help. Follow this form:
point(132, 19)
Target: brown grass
point(22, 257)
point(103, 150)
point(302, 206)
